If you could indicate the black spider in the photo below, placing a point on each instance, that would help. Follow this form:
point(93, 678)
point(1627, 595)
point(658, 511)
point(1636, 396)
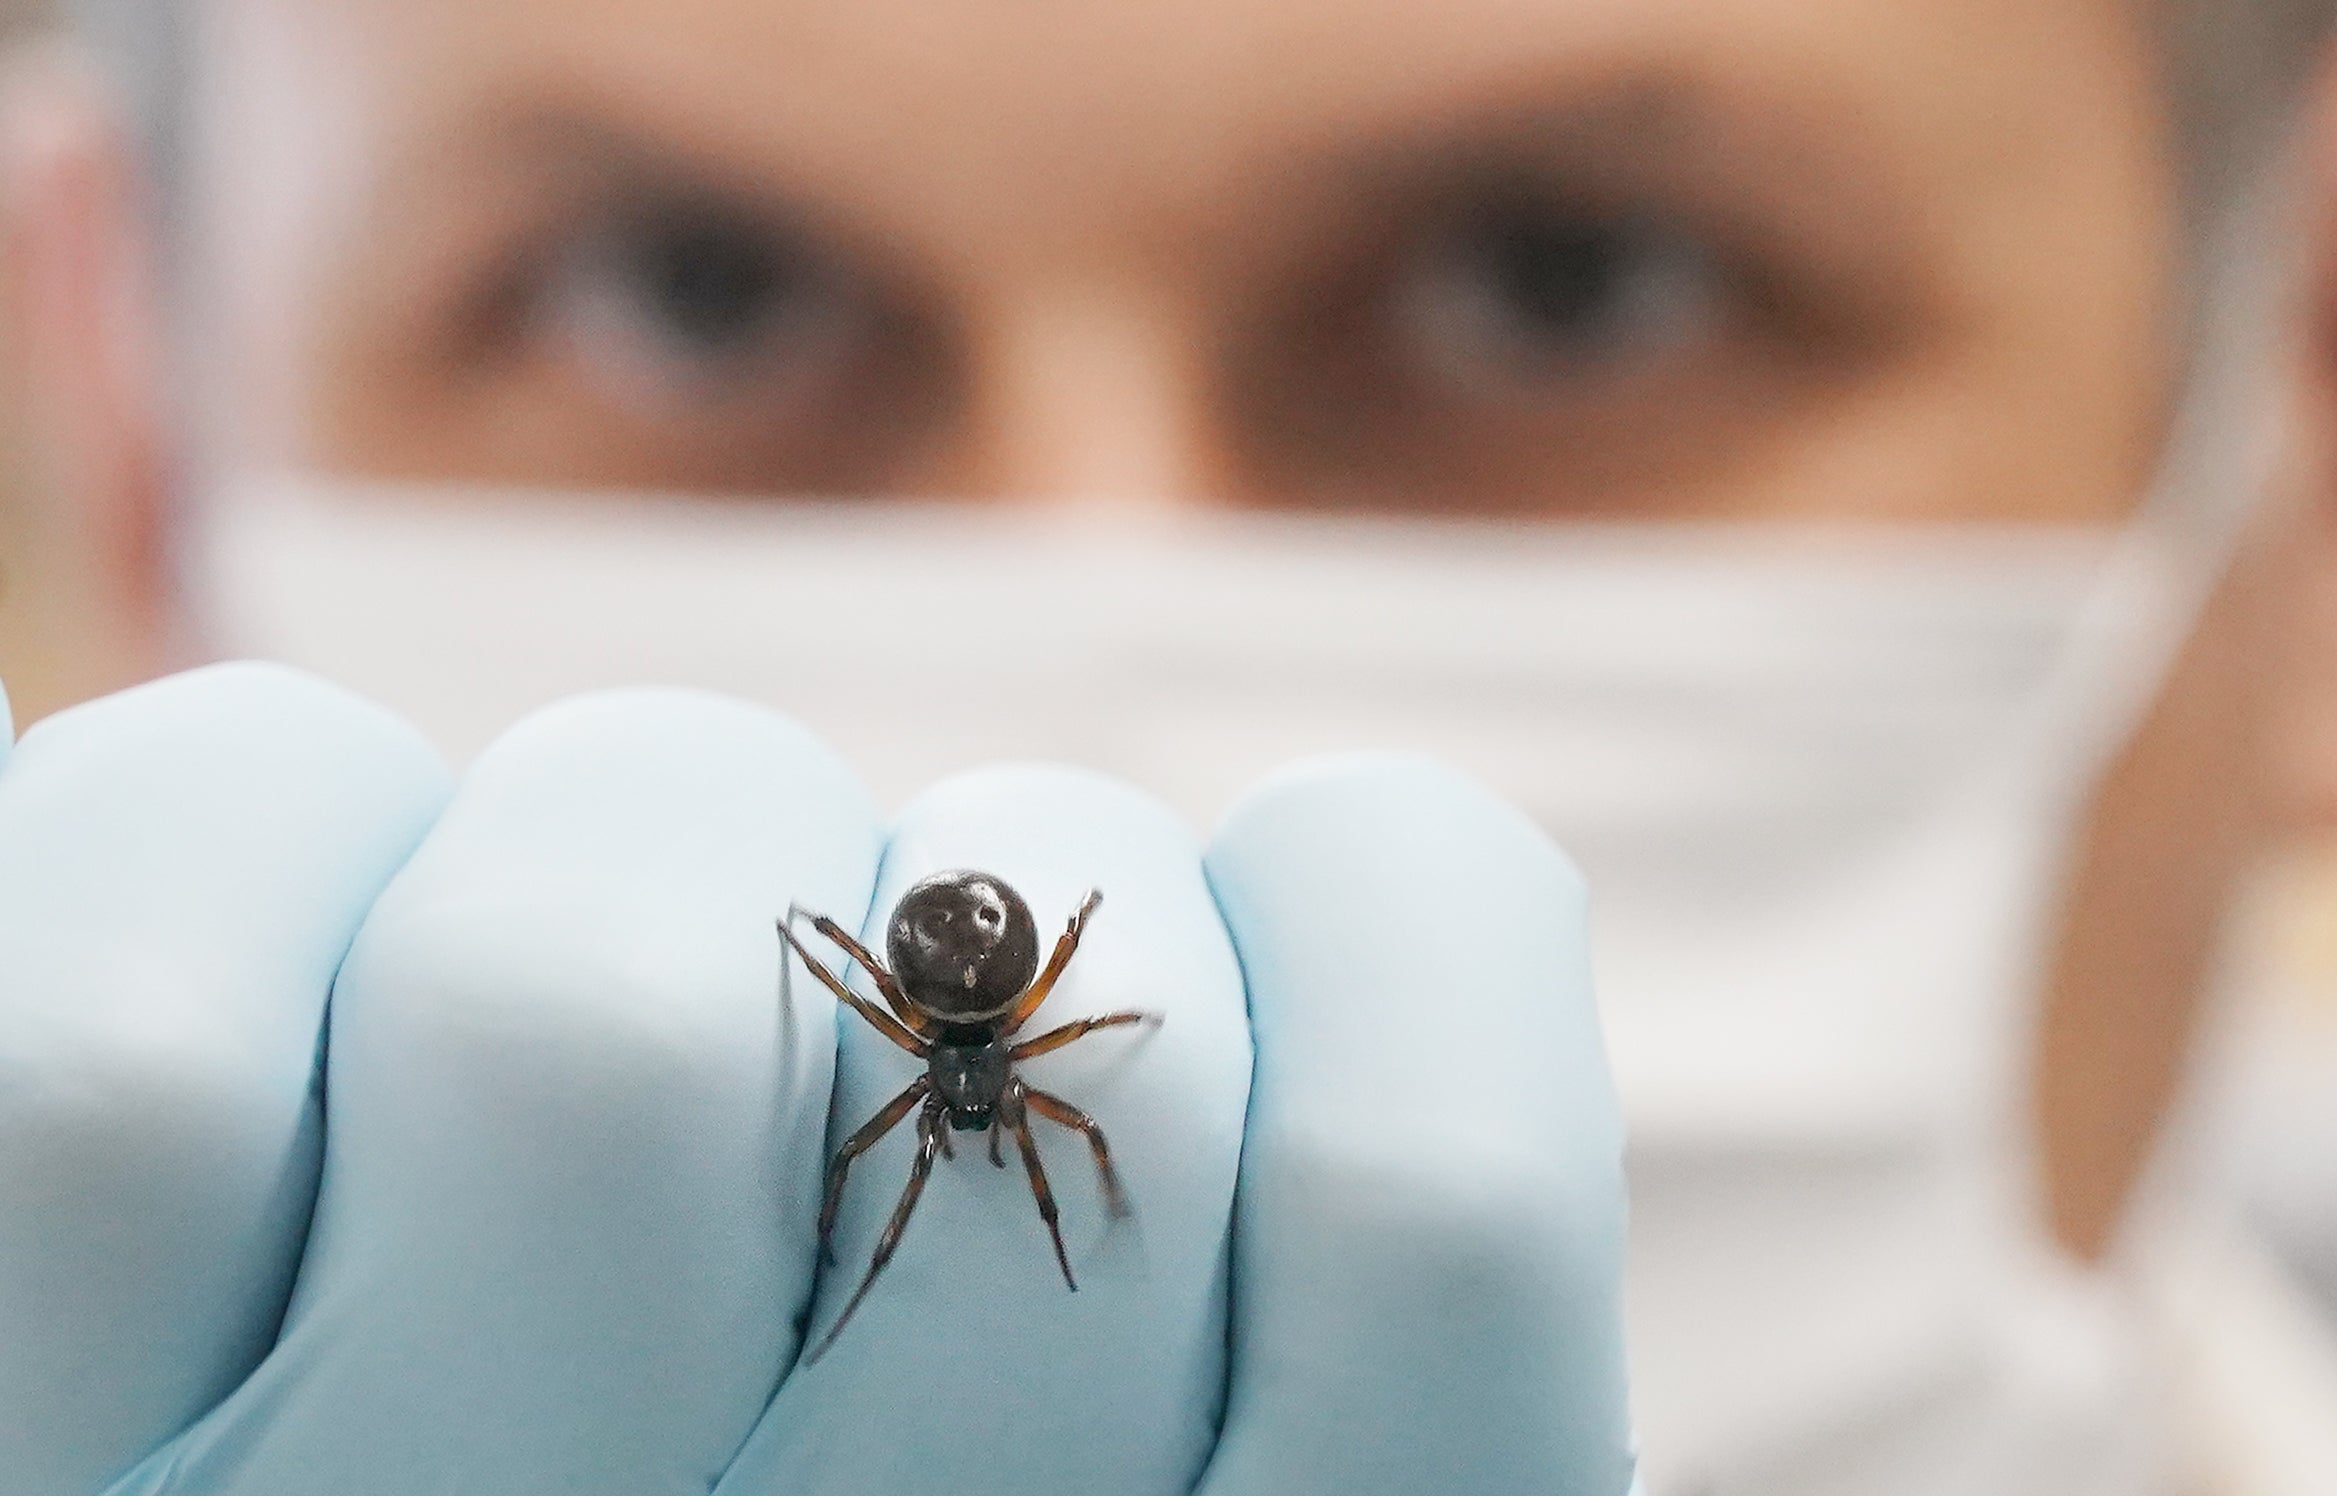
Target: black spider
point(964, 978)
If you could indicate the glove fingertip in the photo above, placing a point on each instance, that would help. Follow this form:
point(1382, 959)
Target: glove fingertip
point(1429, 1229)
point(1362, 803)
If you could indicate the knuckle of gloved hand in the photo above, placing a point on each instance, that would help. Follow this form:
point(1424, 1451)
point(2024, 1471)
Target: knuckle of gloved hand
point(475, 994)
point(1489, 1222)
point(91, 1093)
point(260, 710)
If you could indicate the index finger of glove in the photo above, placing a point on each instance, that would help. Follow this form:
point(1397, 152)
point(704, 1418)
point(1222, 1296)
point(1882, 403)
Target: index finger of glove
point(971, 1367)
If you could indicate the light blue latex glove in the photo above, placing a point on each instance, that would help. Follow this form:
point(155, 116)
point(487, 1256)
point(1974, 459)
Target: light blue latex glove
point(571, 1140)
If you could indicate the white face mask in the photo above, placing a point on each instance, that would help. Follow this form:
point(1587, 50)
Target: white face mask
point(1780, 755)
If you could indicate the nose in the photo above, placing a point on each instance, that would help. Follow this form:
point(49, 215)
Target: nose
point(1091, 397)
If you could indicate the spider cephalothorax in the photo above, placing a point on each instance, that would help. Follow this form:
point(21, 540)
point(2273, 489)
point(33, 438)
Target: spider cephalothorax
point(964, 978)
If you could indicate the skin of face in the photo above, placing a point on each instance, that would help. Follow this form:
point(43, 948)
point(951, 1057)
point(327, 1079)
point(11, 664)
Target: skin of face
point(1604, 258)
point(1898, 260)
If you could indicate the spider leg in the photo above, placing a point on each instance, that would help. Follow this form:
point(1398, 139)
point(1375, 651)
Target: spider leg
point(1054, 1039)
point(1020, 1125)
point(883, 1022)
point(1044, 983)
point(996, 1162)
point(949, 1152)
point(1056, 1109)
point(928, 1144)
point(860, 1142)
point(886, 984)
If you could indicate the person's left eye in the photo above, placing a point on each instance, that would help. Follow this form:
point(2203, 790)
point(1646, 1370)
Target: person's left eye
point(1522, 344)
point(1522, 295)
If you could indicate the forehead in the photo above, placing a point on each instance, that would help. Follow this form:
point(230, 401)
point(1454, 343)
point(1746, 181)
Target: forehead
point(1001, 118)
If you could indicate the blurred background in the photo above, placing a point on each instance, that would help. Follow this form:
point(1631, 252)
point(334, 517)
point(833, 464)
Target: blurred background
point(459, 268)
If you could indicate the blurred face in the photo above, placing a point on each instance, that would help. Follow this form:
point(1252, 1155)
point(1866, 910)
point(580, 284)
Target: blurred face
point(1728, 260)
point(1608, 258)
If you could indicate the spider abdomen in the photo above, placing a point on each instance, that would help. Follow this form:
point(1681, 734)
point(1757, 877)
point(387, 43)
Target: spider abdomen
point(963, 946)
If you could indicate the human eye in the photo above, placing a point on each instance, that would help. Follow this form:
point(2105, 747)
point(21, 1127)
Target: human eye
point(688, 338)
point(675, 303)
point(1525, 297)
point(1592, 331)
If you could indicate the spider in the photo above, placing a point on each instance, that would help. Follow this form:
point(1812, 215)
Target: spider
point(964, 978)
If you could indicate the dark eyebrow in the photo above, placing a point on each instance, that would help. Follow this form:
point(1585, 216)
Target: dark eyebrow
point(580, 158)
point(587, 149)
point(1777, 177)
point(1671, 130)
point(1675, 125)
point(463, 217)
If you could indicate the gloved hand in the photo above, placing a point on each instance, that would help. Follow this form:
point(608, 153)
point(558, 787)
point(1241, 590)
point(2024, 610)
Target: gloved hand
point(534, 1214)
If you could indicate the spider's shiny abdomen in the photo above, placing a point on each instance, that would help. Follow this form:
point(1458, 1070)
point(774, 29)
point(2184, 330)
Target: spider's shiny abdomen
point(963, 946)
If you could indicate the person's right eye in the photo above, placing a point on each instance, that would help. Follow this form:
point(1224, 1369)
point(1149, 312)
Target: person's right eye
point(686, 339)
point(674, 305)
